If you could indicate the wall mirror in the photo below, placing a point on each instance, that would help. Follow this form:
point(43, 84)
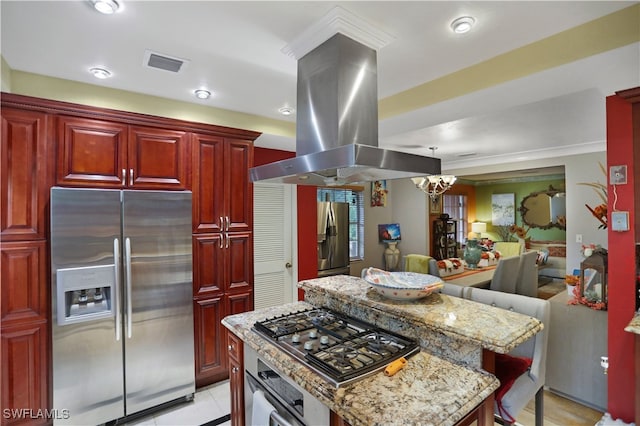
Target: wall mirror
point(544, 209)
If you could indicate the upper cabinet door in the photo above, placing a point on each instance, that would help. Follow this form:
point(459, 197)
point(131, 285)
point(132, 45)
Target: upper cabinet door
point(25, 168)
point(158, 159)
point(239, 189)
point(91, 153)
point(208, 183)
point(104, 154)
point(222, 193)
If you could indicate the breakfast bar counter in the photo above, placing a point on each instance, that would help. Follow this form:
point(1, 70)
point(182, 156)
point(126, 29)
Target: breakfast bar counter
point(449, 327)
point(429, 390)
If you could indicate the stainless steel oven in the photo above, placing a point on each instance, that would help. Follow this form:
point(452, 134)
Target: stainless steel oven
point(292, 405)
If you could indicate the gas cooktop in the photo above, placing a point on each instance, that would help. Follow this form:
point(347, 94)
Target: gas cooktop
point(339, 348)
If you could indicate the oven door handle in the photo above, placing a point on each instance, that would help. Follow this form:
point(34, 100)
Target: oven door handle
point(276, 417)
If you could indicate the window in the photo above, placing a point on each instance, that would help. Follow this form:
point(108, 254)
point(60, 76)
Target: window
point(456, 207)
point(355, 198)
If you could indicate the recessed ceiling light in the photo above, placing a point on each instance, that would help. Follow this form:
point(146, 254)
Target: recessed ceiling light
point(106, 6)
point(285, 111)
point(100, 73)
point(202, 94)
point(462, 25)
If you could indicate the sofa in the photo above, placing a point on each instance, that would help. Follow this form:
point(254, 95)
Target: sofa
point(555, 263)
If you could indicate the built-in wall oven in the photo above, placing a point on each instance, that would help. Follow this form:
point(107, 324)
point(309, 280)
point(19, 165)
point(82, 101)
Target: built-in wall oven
point(293, 406)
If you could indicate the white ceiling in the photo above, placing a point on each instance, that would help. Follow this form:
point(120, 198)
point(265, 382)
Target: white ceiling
point(236, 49)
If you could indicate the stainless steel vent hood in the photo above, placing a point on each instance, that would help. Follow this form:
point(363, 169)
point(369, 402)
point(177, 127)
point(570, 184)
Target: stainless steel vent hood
point(337, 123)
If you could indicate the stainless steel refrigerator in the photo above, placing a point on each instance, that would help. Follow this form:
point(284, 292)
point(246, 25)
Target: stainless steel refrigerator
point(333, 238)
point(122, 301)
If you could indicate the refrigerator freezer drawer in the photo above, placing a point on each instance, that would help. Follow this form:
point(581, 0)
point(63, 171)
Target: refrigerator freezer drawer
point(85, 293)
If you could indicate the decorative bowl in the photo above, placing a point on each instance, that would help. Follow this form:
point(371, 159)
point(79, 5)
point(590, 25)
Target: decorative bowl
point(403, 285)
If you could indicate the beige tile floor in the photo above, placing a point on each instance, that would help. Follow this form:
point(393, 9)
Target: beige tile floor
point(209, 403)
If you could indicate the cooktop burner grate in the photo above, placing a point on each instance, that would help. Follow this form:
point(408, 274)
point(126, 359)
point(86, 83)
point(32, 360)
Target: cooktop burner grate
point(340, 348)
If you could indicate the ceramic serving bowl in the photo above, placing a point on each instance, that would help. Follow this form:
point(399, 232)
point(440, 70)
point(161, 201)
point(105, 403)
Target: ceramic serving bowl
point(404, 285)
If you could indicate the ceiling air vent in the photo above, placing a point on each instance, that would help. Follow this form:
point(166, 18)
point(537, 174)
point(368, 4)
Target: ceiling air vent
point(164, 62)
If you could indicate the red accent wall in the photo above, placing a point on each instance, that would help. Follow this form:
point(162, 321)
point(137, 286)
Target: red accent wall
point(621, 249)
point(307, 235)
point(307, 255)
point(265, 155)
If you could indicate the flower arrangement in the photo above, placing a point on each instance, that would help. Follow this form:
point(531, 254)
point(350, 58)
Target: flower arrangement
point(589, 299)
point(588, 249)
point(599, 211)
point(518, 231)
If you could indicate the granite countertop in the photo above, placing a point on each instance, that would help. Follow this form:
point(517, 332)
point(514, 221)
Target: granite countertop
point(634, 325)
point(437, 321)
point(428, 391)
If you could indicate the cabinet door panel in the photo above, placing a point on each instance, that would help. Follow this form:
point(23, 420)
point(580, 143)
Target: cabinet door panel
point(91, 153)
point(208, 265)
point(24, 173)
point(211, 355)
point(24, 281)
point(158, 159)
point(240, 254)
point(240, 302)
point(240, 192)
point(24, 371)
point(208, 187)
point(236, 384)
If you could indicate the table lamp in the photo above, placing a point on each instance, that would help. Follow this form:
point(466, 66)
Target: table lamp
point(478, 228)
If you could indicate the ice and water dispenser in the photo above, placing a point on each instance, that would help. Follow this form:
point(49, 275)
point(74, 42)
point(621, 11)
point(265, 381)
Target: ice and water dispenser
point(85, 293)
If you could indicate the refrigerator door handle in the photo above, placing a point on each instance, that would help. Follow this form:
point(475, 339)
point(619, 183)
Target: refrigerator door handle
point(116, 290)
point(127, 255)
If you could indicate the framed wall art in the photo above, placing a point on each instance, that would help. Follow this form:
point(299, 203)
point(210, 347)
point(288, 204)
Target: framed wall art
point(503, 209)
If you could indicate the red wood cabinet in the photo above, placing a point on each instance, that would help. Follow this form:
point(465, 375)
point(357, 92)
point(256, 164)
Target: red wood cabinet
point(236, 379)
point(47, 142)
point(211, 359)
point(25, 366)
point(222, 244)
point(26, 168)
point(24, 173)
point(25, 294)
point(104, 154)
point(223, 195)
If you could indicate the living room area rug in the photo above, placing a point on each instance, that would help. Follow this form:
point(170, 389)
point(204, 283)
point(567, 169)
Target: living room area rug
point(551, 288)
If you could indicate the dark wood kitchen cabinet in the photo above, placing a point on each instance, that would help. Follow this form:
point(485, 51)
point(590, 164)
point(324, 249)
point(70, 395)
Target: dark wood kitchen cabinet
point(235, 348)
point(222, 285)
point(105, 154)
point(46, 143)
point(222, 245)
point(26, 169)
point(223, 195)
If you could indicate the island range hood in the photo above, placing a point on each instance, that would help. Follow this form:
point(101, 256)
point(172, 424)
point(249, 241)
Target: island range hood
point(337, 123)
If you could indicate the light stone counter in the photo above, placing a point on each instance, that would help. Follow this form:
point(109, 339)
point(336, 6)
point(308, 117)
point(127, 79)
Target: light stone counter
point(427, 391)
point(449, 327)
point(634, 325)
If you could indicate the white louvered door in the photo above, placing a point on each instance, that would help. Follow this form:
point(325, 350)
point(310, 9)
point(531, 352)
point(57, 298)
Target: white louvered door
point(272, 244)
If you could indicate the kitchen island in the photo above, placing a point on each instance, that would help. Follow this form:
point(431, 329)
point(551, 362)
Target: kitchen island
point(429, 390)
point(449, 327)
point(444, 384)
